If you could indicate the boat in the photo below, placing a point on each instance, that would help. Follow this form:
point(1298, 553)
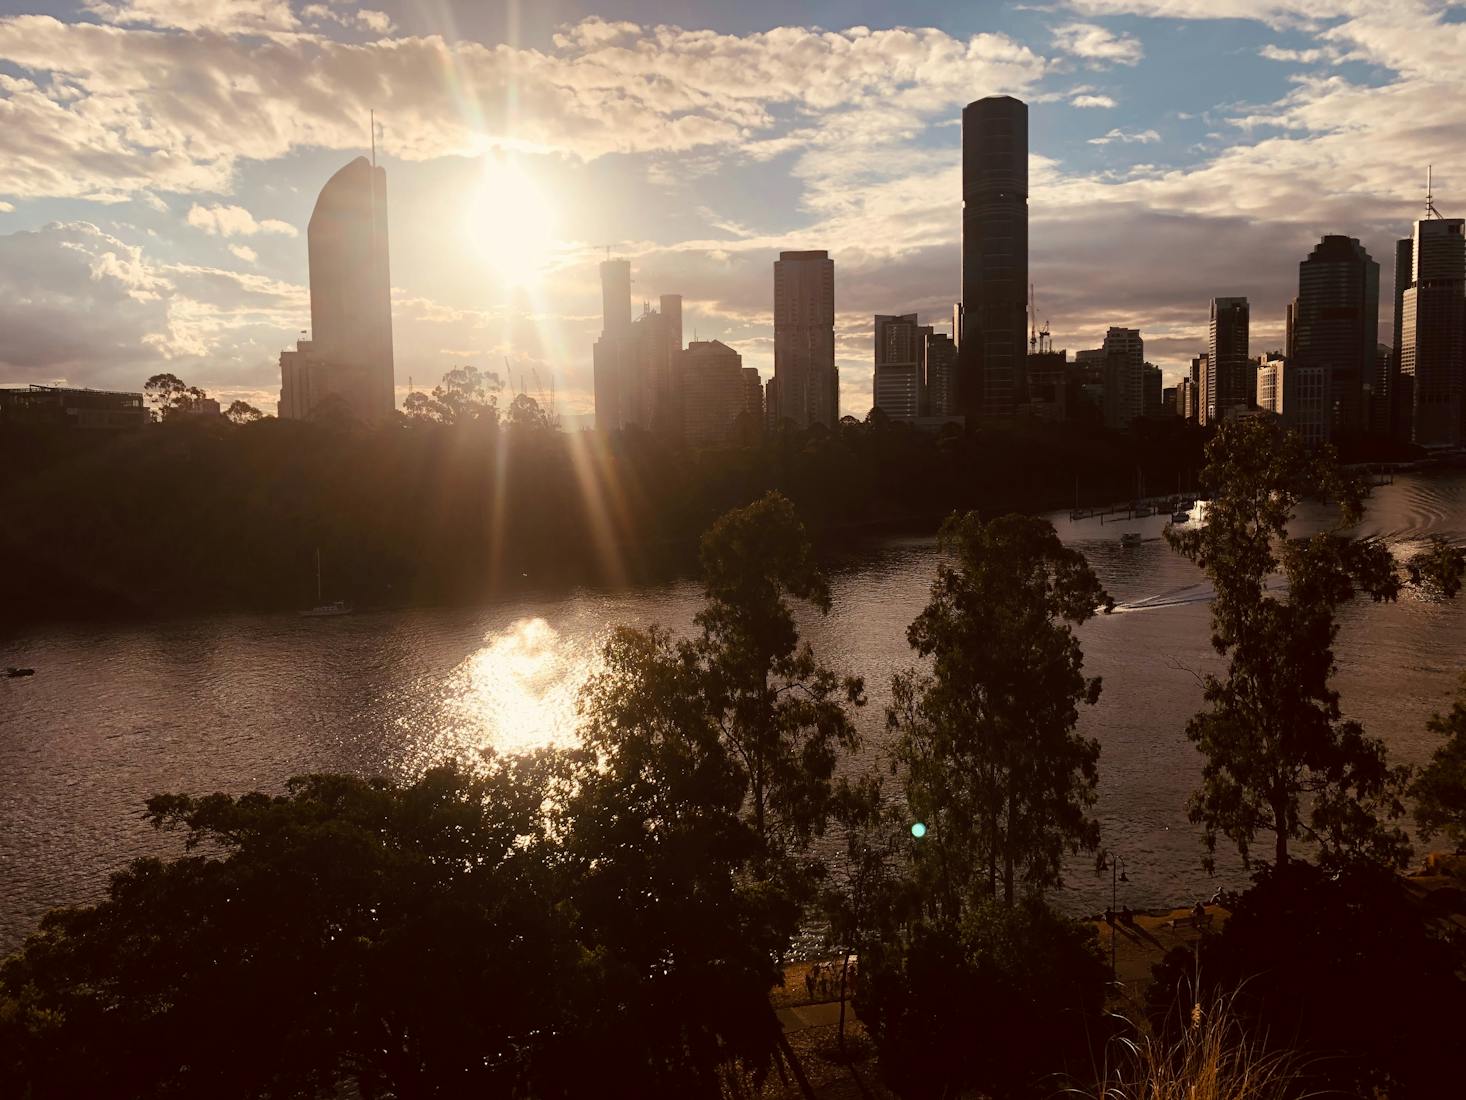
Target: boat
point(1180, 517)
point(16, 673)
point(325, 610)
point(1130, 538)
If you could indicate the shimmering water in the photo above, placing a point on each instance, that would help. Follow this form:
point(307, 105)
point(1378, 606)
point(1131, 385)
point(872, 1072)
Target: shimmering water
point(115, 714)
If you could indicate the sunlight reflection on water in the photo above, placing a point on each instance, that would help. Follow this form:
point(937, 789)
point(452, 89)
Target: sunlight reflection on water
point(516, 694)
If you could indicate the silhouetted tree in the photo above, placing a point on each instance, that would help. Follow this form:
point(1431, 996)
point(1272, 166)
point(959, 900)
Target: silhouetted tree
point(1440, 788)
point(1277, 757)
point(992, 764)
point(525, 413)
point(242, 412)
point(1000, 1004)
point(1343, 968)
point(166, 393)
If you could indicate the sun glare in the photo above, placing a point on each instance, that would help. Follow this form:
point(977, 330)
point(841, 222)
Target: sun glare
point(513, 223)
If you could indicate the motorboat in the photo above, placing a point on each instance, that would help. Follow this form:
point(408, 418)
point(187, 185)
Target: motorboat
point(1130, 538)
point(16, 673)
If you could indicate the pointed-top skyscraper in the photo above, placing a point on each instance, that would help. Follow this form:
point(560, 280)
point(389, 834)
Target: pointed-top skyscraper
point(994, 332)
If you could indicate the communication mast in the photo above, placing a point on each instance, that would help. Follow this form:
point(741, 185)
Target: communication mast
point(1430, 210)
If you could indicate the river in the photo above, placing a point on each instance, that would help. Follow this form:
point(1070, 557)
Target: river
point(117, 713)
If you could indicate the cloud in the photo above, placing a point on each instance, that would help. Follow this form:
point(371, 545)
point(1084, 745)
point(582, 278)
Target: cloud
point(244, 252)
point(1095, 43)
point(1142, 137)
point(1306, 57)
point(235, 221)
point(1092, 101)
point(105, 111)
point(248, 17)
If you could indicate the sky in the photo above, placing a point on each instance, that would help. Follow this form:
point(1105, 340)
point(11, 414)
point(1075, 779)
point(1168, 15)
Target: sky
point(159, 160)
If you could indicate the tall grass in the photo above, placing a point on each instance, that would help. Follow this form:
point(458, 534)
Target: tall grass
point(1210, 1058)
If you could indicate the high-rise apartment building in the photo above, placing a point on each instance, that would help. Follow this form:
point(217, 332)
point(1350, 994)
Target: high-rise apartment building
point(1229, 375)
point(808, 390)
point(993, 337)
point(899, 383)
point(714, 391)
point(347, 363)
point(1432, 332)
point(1152, 404)
point(941, 375)
point(635, 362)
point(1124, 378)
point(1335, 328)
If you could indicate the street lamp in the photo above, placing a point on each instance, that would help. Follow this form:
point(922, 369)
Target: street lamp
point(1116, 866)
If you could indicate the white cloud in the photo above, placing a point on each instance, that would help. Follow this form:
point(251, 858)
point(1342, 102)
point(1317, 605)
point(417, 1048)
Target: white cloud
point(107, 111)
point(216, 16)
point(7, 207)
point(1306, 57)
point(1095, 43)
point(1142, 137)
point(244, 252)
point(1092, 101)
point(234, 221)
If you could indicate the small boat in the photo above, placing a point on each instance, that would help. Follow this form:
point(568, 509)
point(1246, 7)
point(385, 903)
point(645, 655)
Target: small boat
point(1130, 538)
point(1180, 517)
point(16, 673)
point(325, 610)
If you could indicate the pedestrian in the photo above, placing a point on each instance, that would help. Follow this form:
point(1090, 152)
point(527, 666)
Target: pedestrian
point(1127, 918)
point(809, 981)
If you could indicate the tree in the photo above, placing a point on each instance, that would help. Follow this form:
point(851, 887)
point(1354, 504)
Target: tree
point(167, 393)
point(782, 715)
point(1440, 789)
point(408, 940)
point(993, 766)
point(242, 412)
point(466, 395)
point(1000, 1003)
point(1277, 757)
point(659, 849)
point(1342, 968)
point(525, 413)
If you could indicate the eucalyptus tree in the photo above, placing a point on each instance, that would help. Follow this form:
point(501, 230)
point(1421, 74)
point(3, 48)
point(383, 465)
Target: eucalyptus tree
point(1277, 755)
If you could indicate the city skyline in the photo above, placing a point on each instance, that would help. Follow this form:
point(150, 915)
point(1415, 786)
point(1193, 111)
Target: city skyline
point(183, 248)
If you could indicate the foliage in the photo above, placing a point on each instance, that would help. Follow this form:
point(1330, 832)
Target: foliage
point(998, 1004)
point(242, 412)
point(466, 395)
point(168, 395)
point(1209, 1057)
point(1277, 756)
point(992, 764)
point(426, 512)
point(1439, 790)
point(1345, 969)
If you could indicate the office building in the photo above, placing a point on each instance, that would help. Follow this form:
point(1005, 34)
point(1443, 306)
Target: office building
point(899, 382)
point(808, 390)
point(941, 375)
point(635, 363)
point(59, 407)
point(611, 358)
point(1124, 377)
point(347, 364)
point(1229, 376)
point(1046, 385)
point(1335, 328)
point(753, 395)
point(1152, 395)
point(1185, 393)
point(1392, 404)
point(1298, 394)
point(1432, 330)
point(994, 332)
point(713, 390)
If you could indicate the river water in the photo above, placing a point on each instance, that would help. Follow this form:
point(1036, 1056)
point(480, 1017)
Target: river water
point(117, 713)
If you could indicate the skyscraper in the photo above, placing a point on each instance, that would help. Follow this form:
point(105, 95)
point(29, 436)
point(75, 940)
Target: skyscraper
point(808, 385)
point(713, 390)
point(994, 255)
point(941, 375)
point(612, 358)
point(1432, 331)
point(1392, 399)
point(1124, 378)
point(1336, 328)
point(1230, 377)
point(899, 384)
point(349, 356)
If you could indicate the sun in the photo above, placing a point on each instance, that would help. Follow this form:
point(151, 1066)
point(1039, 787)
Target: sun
point(512, 222)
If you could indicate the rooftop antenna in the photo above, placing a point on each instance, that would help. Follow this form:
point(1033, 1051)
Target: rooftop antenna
point(1032, 323)
point(1430, 210)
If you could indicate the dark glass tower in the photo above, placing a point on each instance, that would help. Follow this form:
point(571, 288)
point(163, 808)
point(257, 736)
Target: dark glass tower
point(1336, 327)
point(1433, 332)
point(994, 255)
